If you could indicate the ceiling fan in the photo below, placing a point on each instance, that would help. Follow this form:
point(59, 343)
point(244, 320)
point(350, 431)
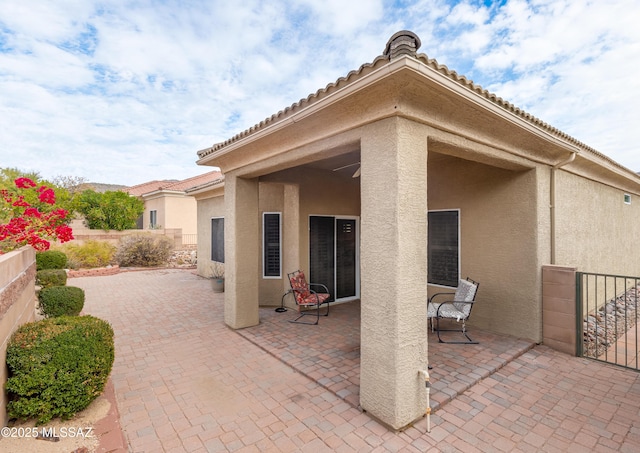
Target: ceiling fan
point(356, 174)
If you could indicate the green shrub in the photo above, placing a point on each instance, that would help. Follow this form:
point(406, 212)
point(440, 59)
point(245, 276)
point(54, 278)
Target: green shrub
point(51, 277)
point(90, 254)
point(57, 366)
point(144, 250)
point(61, 300)
point(51, 259)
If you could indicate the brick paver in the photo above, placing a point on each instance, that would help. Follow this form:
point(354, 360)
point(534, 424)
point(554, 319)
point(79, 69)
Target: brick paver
point(186, 382)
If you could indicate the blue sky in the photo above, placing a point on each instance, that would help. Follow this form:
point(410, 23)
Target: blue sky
point(124, 92)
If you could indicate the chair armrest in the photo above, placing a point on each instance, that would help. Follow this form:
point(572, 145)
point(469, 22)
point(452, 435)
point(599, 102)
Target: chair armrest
point(326, 290)
point(453, 302)
point(440, 294)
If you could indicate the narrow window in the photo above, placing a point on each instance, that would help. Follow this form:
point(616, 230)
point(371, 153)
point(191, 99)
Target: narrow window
point(443, 248)
point(627, 198)
point(271, 244)
point(217, 239)
point(153, 219)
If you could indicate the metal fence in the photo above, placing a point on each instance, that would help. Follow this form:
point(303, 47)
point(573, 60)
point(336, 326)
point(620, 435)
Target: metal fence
point(607, 314)
point(190, 241)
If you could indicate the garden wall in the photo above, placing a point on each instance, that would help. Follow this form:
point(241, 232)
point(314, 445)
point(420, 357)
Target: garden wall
point(81, 234)
point(17, 305)
point(559, 308)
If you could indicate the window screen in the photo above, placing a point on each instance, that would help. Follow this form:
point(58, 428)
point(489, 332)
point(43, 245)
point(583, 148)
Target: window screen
point(443, 245)
point(217, 239)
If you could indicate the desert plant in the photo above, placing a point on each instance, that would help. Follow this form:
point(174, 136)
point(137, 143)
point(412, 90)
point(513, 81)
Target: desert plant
point(60, 300)
point(214, 269)
point(90, 254)
point(51, 277)
point(51, 259)
point(57, 366)
point(144, 250)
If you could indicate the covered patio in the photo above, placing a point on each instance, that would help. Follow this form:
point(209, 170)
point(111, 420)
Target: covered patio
point(329, 353)
point(398, 180)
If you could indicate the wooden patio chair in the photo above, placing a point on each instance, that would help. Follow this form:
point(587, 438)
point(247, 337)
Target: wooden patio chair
point(457, 307)
point(307, 298)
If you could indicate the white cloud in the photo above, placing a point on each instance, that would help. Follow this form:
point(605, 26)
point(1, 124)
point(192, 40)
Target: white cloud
point(128, 92)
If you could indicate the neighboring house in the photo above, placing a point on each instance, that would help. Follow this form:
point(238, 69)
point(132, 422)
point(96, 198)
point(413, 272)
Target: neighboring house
point(167, 205)
point(391, 184)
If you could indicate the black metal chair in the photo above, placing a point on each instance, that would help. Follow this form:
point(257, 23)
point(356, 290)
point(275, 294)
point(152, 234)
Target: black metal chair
point(307, 298)
point(457, 307)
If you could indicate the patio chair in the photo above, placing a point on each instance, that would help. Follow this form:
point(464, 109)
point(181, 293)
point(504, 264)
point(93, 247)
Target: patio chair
point(307, 298)
point(457, 308)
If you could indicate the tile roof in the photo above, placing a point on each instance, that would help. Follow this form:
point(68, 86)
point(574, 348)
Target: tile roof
point(193, 182)
point(147, 187)
point(173, 184)
point(393, 50)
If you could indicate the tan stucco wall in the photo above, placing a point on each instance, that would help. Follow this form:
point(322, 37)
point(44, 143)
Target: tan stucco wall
point(207, 208)
point(271, 200)
point(17, 305)
point(181, 212)
point(155, 204)
point(596, 230)
point(174, 211)
point(499, 243)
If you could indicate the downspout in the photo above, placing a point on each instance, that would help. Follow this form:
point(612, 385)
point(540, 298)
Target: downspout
point(552, 202)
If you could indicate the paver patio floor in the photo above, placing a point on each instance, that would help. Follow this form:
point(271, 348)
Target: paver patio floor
point(186, 382)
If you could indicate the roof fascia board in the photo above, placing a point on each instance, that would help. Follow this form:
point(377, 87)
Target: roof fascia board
point(161, 192)
point(205, 188)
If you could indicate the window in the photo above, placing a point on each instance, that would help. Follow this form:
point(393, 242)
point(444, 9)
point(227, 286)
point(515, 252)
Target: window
point(443, 248)
point(627, 198)
point(271, 244)
point(153, 219)
point(217, 239)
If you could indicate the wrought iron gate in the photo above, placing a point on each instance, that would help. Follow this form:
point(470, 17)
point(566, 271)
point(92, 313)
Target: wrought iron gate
point(607, 318)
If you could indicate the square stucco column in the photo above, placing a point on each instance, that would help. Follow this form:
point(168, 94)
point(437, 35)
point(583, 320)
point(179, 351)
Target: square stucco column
point(393, 271)
point(242, 252)
point(290, 235)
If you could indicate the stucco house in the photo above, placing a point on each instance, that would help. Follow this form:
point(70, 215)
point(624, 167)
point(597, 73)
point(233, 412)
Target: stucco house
point(395, 181)
point(167, 205)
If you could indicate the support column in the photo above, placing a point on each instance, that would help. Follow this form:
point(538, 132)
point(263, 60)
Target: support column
point(394, 271)
point(242, 252)
point(290, 236)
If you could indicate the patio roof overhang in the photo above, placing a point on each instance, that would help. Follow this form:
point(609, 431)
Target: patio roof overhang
point(466, 121)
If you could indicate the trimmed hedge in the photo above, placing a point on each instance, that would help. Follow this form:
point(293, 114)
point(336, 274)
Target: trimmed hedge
point(144, 250)
point(50, 259)
point(47, 278)
point(57, 366)
point(60, 301)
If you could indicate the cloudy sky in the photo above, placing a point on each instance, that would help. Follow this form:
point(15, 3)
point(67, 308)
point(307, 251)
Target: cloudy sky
point(126, 91)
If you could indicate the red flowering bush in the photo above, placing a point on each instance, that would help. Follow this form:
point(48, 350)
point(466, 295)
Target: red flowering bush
point(31, 219)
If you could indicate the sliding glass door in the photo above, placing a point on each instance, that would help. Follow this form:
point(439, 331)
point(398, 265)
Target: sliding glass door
point(333, 255)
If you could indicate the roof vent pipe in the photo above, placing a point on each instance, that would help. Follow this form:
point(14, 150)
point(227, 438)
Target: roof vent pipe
point(402, 43)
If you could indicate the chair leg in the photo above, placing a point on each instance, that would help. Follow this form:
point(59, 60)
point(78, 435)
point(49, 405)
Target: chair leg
point(317, 314)
point(303, 314)
point(463, 331)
